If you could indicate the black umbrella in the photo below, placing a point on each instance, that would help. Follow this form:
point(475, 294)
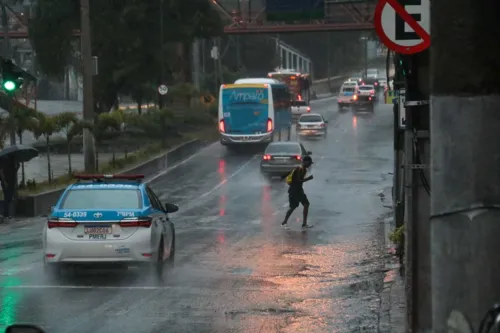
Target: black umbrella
point(20, 153)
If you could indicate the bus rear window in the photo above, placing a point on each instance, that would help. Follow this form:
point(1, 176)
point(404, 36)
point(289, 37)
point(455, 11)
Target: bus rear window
point(299, 103)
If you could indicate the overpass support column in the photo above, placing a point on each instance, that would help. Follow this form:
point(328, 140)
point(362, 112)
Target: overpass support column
point(465, 160)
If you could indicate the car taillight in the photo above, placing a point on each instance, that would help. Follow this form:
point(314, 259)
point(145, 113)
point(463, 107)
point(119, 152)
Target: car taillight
point(355, 97)
point(60, 223)
point(144, 222)
point(308, 109)
point(266, 157)
point(323, 125)
point(376, 83)
point(222, 126)
point(298, 157)
point(372, 91)
point(369, 98)
point(269, 125)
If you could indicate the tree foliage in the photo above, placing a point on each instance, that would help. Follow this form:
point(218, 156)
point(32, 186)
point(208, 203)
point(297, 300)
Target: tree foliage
point(125, 37)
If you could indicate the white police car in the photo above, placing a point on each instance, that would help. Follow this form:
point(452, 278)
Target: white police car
point(109, 219)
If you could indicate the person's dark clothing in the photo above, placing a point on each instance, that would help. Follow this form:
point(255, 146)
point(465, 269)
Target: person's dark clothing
point(297, 180)
point(296, 193)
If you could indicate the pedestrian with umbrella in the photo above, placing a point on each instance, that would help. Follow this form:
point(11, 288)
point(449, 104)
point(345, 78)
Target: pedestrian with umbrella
point(10, 160)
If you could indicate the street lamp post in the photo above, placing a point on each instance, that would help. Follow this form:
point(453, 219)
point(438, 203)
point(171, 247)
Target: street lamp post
point(365, 39)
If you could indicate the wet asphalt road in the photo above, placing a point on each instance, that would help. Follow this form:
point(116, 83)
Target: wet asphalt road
point(236, 269)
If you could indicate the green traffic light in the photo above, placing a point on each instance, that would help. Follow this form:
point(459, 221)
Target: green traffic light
point(9, 85)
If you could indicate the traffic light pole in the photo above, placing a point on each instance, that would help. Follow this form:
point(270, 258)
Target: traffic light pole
point(89, 153)
point(465, 103)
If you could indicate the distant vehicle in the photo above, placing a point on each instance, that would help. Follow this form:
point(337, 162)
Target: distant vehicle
point(298, 83)
point(367, 90)
point(252, 110)
point(371, 81)
point(357, 79)
point(282, 157)
point(382, 83)
point(109, 219)
point(363, 103)
point(372, 73)
point(312, 124)
point(347, 91)
point(299, 108)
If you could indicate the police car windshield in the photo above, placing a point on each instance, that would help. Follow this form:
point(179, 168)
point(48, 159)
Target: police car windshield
point(102, 198)
point(283, 148)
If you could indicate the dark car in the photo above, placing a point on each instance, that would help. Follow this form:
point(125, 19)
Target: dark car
point(363, 103)
point(372, 81)
point(282, 157)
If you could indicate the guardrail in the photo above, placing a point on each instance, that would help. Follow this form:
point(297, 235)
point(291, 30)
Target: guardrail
point(40, 204)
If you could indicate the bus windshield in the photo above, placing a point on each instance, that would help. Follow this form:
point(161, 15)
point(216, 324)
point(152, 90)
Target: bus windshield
point(245, 109)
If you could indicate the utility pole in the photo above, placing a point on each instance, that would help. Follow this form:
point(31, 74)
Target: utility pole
point(219, 62)
point(196, 64)
point(465, 160)
point(88, 98)
point(7, 53)
point(162, 59)
point(417, 191)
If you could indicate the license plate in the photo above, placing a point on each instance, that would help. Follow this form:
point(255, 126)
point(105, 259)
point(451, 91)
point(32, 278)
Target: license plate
point(98, 236)
point(97, 230)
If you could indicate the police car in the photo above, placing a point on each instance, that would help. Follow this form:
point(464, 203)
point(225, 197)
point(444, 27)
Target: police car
point(109, 219)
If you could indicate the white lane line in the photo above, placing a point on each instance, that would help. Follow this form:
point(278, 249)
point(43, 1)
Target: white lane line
point(164, 172)
point(222, 183)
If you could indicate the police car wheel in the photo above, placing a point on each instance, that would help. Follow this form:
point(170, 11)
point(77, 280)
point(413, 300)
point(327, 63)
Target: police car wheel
point(171, 258)
point(158, 265)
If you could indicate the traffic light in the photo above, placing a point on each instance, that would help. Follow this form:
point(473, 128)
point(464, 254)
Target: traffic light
point(11, 77)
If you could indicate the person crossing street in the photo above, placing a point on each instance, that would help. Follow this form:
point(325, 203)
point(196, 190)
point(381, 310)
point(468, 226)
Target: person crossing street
point(296, 194)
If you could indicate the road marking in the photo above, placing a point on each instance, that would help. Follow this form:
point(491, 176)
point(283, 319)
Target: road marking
point(208, 219)
point(222, 183)
point(164, 172)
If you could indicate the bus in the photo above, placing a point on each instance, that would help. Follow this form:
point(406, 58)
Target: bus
point(254, 111)
point(298, 83)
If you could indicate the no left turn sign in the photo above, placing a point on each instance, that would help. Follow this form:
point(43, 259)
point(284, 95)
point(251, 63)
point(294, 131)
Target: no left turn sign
point(404, 25)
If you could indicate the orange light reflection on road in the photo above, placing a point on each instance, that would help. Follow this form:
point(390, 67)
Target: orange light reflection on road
point(267, 208)
point(354, 122)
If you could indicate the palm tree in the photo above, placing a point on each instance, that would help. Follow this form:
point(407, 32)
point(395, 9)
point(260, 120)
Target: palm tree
point(71, 126)
point(24, 120)
point(105, 123)
point(46, 126)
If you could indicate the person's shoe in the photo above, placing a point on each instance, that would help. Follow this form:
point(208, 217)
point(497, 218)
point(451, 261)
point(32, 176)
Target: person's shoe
point(306, 226)
point(284, 225)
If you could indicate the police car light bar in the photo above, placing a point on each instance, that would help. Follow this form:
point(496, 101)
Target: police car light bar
point(104, 176)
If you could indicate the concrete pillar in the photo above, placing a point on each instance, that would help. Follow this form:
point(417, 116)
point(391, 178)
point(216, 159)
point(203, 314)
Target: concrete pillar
point(465, 160)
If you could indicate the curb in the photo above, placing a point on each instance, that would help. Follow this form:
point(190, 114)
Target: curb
point(39, 204)
point(392, 298)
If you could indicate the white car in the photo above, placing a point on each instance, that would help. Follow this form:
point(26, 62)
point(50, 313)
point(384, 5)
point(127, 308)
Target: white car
point(299, 108)
point(367, 90)
point(107, 220)
point(346, 94)
point(312, 124)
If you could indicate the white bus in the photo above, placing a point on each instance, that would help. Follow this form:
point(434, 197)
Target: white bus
point(254, 111)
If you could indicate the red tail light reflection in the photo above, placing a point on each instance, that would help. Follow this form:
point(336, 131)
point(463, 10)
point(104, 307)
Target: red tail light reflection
point(266, 157)
point(308, 109)
point(269, 125)
point(298, 157)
